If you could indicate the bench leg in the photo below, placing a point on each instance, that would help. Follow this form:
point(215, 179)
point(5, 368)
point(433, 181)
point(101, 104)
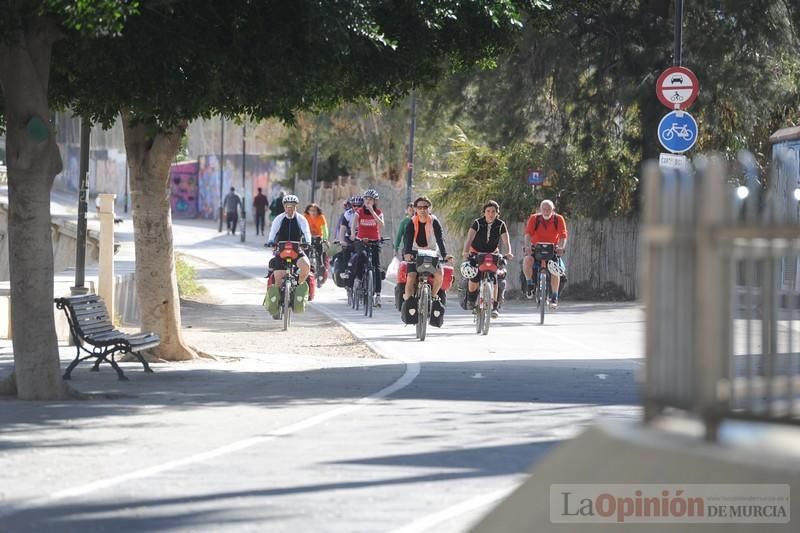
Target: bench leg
point(96, 365)
point(71, 367)
point(143, 361)
point(120, 374)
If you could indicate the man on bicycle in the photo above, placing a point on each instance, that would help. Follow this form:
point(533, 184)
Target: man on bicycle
point(367, 224)
point(423, 232)
point(545, 226)
point(484, 236)
point(290, 226)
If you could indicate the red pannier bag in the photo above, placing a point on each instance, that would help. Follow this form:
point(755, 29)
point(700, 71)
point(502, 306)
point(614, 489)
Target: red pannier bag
point(402, 272)
point(447, 278)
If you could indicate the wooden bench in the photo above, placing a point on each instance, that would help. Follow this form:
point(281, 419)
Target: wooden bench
point(90, 325)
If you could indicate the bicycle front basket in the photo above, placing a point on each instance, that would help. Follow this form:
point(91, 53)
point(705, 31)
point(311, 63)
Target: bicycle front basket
point(427, 264)
point(544, 251)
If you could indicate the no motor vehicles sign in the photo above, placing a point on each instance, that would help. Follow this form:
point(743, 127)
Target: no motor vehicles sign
point(677, 87)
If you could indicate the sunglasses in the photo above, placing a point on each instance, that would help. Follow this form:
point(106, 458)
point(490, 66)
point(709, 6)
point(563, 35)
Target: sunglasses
point(422, 206)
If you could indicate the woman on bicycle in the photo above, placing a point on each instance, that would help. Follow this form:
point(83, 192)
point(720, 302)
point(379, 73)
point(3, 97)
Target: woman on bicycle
point(485, 235)
point(367, 224)
point(318, 226)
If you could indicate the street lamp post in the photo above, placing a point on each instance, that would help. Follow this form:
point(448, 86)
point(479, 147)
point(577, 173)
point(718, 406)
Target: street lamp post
point(314, 167)
point(221, 157)
point(410, 174)
point(244, 186)
point(80, 251)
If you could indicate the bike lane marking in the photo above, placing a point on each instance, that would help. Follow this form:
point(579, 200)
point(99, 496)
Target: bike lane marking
point(475, 503)
point(412, 370)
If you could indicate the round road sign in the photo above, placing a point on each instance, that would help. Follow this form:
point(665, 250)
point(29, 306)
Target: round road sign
point(677, 131)
point(677, 87)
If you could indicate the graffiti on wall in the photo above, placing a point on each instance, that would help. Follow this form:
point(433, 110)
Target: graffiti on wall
point(259, 173)
point(107, 172)
point(183, 189)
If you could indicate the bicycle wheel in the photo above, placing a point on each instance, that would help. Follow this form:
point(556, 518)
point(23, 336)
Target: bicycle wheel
point(478, 315)
point(486, 296)
point(349, 296)
point(543, 293)
point(357, 294)
point(368, 294)
point(287, 302)
point(423, 308)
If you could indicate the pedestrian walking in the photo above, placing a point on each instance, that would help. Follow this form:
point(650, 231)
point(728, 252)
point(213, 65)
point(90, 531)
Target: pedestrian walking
point(260, 209)
point(232, 205)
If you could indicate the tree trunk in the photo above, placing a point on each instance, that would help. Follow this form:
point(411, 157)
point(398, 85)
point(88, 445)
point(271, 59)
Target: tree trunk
point(33, 162)
point(150, 153)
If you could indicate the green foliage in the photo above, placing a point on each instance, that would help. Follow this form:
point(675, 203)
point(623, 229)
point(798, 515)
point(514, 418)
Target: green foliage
point(581, 81)
point(369, 136)
point(481, 174)
point(188, 286)
point(185, 59)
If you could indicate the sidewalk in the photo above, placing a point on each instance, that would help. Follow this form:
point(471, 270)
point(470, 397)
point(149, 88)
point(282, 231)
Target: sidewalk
point(227, 326)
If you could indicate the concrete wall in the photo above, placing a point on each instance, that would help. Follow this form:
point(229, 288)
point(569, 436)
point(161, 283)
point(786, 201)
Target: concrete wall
point(64, 235)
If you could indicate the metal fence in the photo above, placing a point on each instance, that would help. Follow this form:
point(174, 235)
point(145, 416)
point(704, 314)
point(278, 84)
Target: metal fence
point(722, 290)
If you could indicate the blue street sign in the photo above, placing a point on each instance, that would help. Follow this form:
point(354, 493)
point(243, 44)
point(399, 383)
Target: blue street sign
point(677, 131)
point(535, 177)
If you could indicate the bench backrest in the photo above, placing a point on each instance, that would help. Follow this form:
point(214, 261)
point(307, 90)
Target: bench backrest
point(87, 313)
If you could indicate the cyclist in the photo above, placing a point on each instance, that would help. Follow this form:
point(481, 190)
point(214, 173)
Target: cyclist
point(344, 238)
point(289, 226)
point(318, 226)
point(356, 202)
point(484, 236)
point(367, 224)
point(546, 226)
point(423, 232)
point(401, 228)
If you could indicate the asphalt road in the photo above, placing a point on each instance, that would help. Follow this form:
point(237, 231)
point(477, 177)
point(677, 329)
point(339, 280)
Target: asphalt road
point(425, 440)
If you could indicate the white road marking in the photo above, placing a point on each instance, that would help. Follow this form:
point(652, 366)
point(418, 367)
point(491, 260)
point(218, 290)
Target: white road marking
point(426, 523)
point(411, 372)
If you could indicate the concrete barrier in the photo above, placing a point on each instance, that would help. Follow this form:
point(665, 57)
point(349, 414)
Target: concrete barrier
point(635, 454)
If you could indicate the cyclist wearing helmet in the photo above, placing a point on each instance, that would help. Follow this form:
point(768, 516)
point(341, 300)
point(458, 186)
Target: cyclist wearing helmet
point(546, 226)
point(355, 204)
point(343, 236)
point(290, 226)
point(484, 236)
point(367, 224)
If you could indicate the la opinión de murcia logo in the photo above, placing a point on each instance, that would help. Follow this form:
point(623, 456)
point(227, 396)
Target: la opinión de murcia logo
point(653, 503)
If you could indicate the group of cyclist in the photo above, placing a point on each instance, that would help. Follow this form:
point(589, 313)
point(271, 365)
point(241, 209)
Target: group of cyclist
point(359, 229)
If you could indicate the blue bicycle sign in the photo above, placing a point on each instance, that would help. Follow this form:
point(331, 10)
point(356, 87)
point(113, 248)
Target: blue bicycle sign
point(677, 132)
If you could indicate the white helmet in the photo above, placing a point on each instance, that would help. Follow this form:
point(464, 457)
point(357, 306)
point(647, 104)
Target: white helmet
point(468, 270)
point(555, 268)
point(290, 199)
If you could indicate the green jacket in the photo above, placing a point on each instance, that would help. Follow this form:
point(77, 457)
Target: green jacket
point(400, 231)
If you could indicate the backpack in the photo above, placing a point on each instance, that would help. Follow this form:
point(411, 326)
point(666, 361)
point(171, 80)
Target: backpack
point(539, 219)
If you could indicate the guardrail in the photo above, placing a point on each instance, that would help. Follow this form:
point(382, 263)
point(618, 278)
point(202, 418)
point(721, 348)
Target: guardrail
point(721, 282)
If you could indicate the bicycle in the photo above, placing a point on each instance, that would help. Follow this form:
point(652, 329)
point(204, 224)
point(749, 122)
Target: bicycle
point(682, 132)
point(543, 252)
point(289, 251)
point(364, 287)
point(488, 265)
point(427, 265)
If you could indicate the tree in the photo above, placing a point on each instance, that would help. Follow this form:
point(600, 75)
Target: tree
point(239, 58)
point(370, 136)
point(28, 31)
point(585, 92)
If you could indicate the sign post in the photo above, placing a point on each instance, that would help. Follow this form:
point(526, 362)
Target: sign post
point(677, 88)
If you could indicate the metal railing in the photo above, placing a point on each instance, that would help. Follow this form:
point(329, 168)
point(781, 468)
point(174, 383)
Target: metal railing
point(721, 282)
